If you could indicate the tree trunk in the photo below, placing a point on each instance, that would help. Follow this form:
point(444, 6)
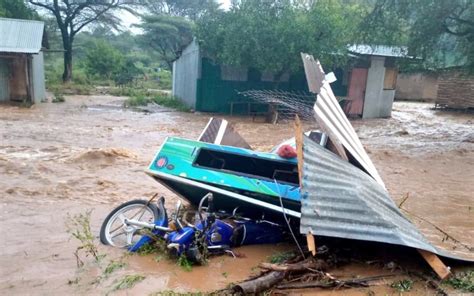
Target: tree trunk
point(67, 74)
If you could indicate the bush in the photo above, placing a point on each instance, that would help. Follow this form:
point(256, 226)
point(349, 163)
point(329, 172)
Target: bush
point(58, 97)
point(80, 77)
point(103, 60)
point(170, 101)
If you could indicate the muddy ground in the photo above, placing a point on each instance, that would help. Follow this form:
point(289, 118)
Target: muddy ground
point(63, 159)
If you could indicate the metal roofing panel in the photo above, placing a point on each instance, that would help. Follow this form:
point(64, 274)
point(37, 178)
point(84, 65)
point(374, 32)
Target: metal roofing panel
point(220, 131)
point(20, 36)
point(332, 119)
point(340, 200)
point(379, 50)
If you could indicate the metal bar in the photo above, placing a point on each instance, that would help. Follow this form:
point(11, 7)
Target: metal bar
point(146, 225)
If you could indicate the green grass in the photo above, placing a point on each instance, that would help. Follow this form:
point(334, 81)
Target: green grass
point(128, 281)
point(127, 92)
point(184, 263)
point(160, 99)
point(113, 266)
point(71, 88)
point(402, 285)
point(463, 281)
point(281, 257)
point(79, 226)
point(58, 97)
point(170, 102)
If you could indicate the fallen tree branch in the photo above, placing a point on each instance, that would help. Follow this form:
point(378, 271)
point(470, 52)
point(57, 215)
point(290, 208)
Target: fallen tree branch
point(329, 283)
point(300, 266)
point(260, 284)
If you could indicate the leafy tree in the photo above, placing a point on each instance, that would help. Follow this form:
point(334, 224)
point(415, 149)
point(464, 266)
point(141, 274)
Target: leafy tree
point(192, 9)
point(17, 9)
point(428, 27)
point(269, 35)
point(73, 16)
point(167, 35)
point(103, 60)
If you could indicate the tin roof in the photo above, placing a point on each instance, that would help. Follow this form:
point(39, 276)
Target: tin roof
point(20, 36)
point(330, 116)
point(340, 200)
point(379, 50)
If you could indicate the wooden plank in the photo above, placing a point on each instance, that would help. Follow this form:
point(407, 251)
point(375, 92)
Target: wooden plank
point(390, 78)
point(311, 243)
point(299, 152)
point(436, 264)
point(356, 90)
point(299, 148)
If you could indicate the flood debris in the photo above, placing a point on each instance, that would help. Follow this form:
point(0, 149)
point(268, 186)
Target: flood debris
point(219, 131)
point(322, 182)
point(284, 105)
point(332, 205)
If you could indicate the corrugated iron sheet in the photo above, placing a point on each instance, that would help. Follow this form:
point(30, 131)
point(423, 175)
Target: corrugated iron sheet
point(332, 119)
point(340, 200)
point(220, 131)
point(4, 84)
point(20, 36)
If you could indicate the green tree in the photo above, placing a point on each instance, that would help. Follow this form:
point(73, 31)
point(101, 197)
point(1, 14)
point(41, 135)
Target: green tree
point(269, 35)
point(73, 16)
point(191, 9)
point(430, 28)
point(17, 9)
point(103, 60)
point(166, 35)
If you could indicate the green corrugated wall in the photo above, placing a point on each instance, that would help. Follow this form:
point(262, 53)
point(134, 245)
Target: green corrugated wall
point(215, 94)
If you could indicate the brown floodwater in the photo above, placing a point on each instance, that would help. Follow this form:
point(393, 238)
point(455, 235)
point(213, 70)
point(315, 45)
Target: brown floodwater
point(63, 159)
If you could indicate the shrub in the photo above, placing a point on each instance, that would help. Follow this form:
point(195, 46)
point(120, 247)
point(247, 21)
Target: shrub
point(58, 97)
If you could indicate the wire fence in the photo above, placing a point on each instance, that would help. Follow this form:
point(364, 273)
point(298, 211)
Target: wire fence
point(285, 104)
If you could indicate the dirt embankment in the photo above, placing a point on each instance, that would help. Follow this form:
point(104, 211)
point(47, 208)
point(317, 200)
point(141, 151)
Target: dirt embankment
point(57, 159)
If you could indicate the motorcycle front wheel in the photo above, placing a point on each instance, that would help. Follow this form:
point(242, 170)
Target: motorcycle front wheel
point(116, 233)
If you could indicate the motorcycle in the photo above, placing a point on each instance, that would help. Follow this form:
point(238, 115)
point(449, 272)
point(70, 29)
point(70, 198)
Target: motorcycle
point(138, 222)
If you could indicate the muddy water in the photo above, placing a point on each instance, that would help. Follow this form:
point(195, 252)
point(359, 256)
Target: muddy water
point(57, 159)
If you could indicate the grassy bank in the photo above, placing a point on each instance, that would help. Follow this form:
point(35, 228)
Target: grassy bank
point(161, 99)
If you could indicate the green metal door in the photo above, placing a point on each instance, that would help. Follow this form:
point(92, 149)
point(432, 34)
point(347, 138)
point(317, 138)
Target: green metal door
point(4, 89)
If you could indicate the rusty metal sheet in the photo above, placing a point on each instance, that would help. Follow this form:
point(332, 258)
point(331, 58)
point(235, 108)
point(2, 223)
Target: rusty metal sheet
point(332, 119)
point(356, 92)
point(340, 200)
point(220, 131)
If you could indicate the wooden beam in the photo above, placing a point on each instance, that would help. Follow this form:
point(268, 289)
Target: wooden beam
point(311, 243)
point(299, 148)
point(436, 264)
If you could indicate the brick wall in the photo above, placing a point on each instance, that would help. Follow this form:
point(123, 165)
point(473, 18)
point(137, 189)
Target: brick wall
point(455, 90)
